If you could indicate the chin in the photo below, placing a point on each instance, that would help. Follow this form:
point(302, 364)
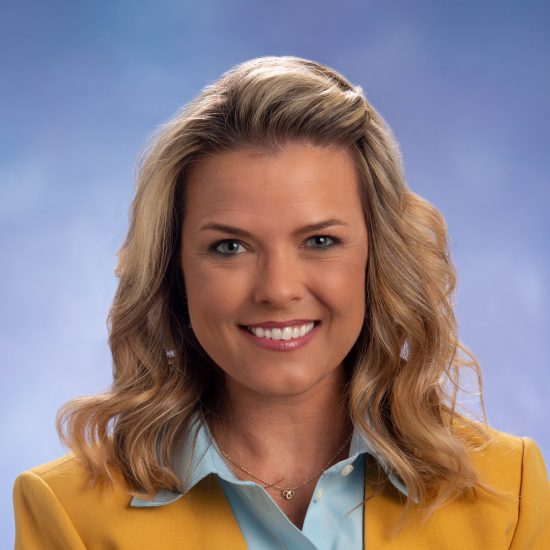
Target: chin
point(284, 384)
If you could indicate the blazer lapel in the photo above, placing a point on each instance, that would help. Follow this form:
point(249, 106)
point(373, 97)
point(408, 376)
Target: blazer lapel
point(213, 517)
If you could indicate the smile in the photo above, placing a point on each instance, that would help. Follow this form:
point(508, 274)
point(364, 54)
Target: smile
point(284, 333)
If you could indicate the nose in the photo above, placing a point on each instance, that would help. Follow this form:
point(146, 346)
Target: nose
point(279, 280)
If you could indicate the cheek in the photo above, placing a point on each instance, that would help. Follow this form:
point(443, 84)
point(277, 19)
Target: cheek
point(212, 294)
point(344, 286)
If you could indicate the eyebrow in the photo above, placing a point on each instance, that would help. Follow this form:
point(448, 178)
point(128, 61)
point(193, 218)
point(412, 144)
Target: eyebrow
point(302, 230)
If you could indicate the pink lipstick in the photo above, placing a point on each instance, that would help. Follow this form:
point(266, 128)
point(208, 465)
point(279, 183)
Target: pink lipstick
point(281, 345)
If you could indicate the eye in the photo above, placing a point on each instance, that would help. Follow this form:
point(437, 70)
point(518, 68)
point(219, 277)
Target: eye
point(323, 241)
point(227, 247)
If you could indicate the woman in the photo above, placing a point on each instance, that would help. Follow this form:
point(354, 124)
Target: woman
point(286, 362)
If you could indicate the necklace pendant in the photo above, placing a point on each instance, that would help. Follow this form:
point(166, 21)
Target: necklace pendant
point(287, 493)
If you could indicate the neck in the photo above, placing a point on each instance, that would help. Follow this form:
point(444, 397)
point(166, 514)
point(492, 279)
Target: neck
point(284, 435)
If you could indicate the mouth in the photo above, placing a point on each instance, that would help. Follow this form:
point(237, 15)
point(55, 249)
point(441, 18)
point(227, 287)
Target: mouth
point(288, 332)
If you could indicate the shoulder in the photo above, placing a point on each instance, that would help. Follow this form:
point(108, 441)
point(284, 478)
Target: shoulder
point(61, 470)
point(50, 476)
point(57, 503)
point(66, 479)
point(514, 466)
point(502, 459)
point(511, 511)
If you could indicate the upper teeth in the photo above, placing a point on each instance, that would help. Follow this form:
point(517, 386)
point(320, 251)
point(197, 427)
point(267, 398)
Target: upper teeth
point(286, 333)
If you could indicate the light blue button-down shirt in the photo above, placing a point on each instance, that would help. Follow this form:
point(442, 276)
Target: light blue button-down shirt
point(334, 518)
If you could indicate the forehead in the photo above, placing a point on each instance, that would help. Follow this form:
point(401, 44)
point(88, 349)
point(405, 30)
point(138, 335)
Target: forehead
point(298, 180)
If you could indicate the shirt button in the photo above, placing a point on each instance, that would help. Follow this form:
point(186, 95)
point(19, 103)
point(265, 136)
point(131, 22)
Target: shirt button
point(346, 470)
point(319, 495)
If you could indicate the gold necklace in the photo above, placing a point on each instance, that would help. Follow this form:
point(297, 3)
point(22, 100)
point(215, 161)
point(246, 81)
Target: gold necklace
point(286, 492)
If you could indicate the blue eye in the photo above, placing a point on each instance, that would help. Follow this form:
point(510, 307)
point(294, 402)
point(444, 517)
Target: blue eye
point(227, 247)
point(323, 241)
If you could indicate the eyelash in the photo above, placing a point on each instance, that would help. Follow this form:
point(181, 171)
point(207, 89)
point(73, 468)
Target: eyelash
point(214, 247)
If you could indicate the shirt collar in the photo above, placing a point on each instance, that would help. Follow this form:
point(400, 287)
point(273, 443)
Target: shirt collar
point(199, 456)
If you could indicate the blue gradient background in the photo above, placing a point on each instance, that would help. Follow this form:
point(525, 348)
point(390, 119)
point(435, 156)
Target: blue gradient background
point(464, 86)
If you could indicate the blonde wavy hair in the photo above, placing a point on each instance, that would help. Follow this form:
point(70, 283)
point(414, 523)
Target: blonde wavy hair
point(404, 369)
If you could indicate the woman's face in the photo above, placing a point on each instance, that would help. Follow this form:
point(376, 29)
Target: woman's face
point(274, 253)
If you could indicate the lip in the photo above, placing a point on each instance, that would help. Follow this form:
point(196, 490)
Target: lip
point(282, 324)
point(281, 345)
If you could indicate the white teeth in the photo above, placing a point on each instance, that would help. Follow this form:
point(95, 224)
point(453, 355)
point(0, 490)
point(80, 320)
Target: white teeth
point(287, 333)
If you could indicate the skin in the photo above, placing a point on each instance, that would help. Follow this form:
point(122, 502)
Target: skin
point(286, 415)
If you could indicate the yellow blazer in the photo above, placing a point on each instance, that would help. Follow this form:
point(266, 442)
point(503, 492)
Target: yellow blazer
point(55, 509)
